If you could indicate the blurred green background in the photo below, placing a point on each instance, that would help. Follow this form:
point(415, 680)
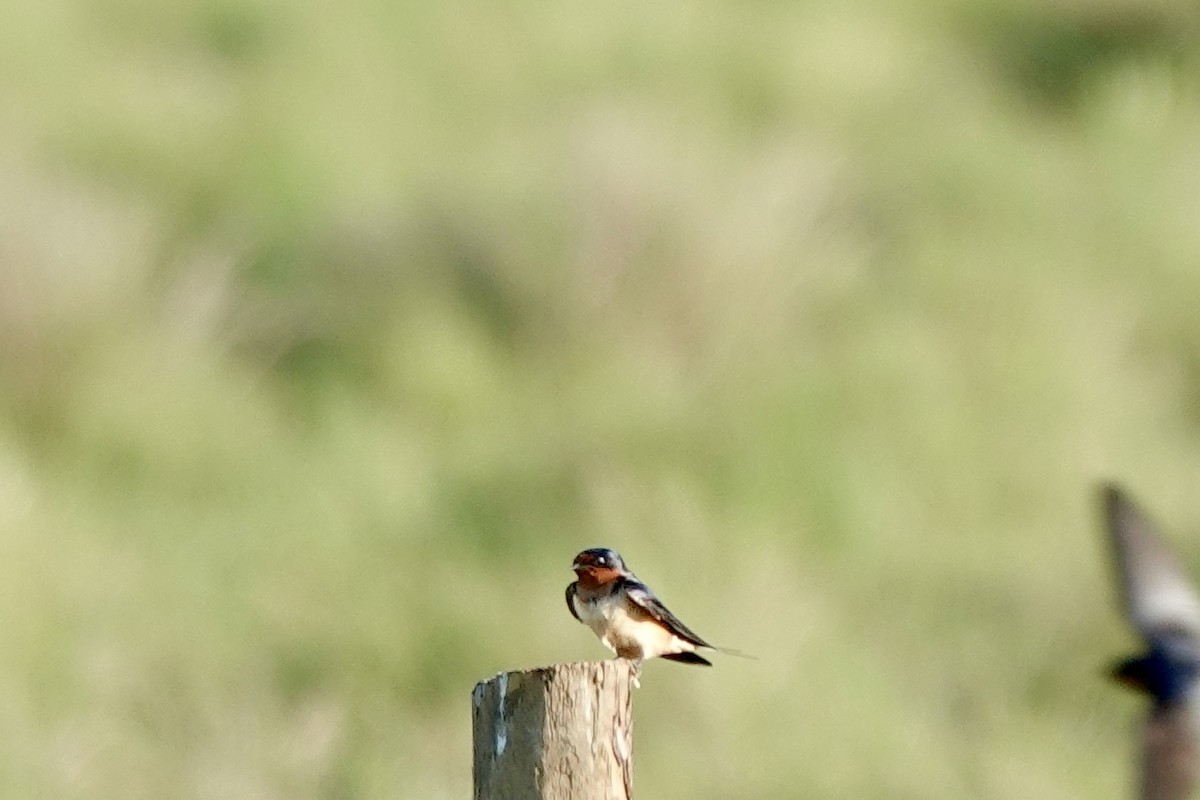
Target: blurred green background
point(332, 332)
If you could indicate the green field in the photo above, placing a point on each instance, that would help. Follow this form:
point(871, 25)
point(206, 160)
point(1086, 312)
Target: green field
point(331, 334)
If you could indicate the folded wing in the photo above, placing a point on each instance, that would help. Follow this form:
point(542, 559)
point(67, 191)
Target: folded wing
point(648, 602)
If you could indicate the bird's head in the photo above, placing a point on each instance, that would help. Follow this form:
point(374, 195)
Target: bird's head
point(598, 566)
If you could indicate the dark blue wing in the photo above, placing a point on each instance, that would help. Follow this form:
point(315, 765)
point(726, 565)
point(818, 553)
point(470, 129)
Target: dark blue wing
point(648, 602)
point(570, 605)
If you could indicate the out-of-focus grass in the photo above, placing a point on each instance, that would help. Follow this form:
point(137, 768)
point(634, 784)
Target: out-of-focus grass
point(331, 334)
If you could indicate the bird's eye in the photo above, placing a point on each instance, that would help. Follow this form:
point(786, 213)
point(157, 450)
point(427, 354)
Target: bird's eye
point(602, 561)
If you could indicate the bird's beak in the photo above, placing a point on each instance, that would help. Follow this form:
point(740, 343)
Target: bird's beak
point(1123, 673)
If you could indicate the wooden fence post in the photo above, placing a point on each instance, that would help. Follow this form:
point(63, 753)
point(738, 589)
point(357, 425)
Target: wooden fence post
point(563, 732)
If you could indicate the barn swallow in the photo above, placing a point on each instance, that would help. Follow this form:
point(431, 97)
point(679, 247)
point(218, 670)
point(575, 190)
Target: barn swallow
point(629, 618)
point(1164, 607)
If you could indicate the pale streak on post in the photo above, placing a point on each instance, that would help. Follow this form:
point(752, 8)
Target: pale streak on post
point(563, 732)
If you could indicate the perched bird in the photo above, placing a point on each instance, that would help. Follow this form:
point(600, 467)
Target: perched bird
point(1164, 607)
point(629, 619)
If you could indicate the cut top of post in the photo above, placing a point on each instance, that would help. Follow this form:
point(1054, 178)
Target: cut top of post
point(563, 732)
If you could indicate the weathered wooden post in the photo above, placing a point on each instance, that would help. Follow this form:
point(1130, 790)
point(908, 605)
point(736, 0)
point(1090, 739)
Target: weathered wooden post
point(563, 732)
